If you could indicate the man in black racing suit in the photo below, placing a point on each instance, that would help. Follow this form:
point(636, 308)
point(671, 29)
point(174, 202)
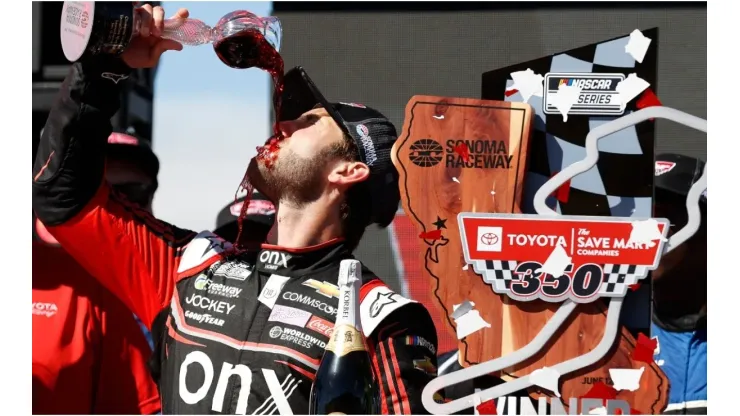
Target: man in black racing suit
point(237, 332)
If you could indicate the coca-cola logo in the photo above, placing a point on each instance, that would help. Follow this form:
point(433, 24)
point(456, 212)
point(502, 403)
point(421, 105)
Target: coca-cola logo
point(322, 326)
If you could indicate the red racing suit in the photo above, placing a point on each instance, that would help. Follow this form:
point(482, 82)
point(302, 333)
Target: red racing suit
point(239, 334)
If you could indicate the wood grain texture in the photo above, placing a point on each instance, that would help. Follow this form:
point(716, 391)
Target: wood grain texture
point(436, 184)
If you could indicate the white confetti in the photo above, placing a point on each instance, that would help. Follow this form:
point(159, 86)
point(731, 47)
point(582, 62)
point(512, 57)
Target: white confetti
point(547, 378)
point(626, 378)
point(527, 83)
point(470, 322)
point(440, 117)
point(638, 45)
point(644, 232)
point(465, 267)
point(556, 264)
point(455, 179)
point(630, 88)
point(493, 192)
point(660, 363)
point(565, 98)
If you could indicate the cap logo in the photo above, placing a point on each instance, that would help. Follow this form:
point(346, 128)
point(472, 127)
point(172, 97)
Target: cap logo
point(353, 105)
point(118, 138)
point(662, 167)
point(367, 144)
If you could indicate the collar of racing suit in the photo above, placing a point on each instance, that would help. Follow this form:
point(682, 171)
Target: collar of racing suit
point(298, 262)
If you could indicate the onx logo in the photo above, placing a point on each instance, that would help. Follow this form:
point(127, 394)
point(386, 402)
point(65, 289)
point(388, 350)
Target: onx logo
point(274, 259)
point(489, 239)
point(244, 384)
point(598, 94)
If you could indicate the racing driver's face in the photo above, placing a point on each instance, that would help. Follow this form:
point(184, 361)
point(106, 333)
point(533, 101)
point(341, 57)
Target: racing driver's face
point(312, 154)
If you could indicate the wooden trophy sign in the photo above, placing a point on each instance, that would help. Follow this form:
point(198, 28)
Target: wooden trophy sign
point(527, 294)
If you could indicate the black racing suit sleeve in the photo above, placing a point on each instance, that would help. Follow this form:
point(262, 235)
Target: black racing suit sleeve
point(404, 348)
point(132, 254)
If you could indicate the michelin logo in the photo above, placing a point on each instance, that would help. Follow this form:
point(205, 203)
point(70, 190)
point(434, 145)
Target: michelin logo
point(599, 95)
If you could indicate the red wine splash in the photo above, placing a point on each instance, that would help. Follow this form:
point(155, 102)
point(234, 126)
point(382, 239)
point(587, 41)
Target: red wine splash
point(250, 49)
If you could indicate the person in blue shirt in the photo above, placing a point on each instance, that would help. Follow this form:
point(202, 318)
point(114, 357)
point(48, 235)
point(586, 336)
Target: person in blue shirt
point(680, 289)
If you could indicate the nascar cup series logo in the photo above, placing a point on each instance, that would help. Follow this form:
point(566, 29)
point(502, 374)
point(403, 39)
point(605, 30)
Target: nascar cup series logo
point(598, 93)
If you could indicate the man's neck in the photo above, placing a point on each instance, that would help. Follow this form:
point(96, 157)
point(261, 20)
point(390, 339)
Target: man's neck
point(308, 225)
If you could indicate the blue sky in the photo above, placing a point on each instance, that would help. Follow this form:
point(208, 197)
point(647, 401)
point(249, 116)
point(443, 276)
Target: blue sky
point(208, 119)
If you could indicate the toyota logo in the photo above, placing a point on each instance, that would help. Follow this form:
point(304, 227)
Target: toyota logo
point(489, 239)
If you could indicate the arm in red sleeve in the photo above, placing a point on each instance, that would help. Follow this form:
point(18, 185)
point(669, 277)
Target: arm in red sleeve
point(132, 254)
point(405, 358)
point(124, 385)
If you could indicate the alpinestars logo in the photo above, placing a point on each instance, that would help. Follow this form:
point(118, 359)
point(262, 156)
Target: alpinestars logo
point(116, 78)
point(380, 302)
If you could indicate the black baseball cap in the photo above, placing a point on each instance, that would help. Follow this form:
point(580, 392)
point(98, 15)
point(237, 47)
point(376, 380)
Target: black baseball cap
point(260, 213)
point(372, 133)
point(676, 174)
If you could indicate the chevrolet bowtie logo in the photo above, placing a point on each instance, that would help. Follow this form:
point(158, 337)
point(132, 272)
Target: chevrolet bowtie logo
point(325, 288)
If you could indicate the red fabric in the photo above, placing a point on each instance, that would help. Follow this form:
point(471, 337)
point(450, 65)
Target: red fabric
point(134, 256)
point(89, 354)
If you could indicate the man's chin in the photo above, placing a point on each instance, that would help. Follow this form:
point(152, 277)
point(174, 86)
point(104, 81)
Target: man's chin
point(257, 179)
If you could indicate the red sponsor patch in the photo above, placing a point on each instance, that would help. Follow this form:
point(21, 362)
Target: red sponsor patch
point(322, 326)
point(662, 167)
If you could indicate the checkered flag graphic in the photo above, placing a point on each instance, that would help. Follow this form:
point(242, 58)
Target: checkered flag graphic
point(607, 189)
point(618, 277)
point(499, 274)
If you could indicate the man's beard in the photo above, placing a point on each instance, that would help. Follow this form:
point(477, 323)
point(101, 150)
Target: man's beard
point(291, 179)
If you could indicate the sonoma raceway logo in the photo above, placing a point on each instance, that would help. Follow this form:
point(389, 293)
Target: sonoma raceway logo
point(216, 289)
point(461, 153)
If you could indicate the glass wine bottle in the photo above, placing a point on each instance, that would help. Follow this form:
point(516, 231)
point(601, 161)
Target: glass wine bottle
point(345, 383)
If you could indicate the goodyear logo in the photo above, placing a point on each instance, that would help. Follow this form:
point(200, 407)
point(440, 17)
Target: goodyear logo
point(598, 95)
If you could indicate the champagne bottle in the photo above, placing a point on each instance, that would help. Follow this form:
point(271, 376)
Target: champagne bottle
point(345, 383)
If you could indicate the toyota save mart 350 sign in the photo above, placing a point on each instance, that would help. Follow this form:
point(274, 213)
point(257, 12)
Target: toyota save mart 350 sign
point(528, 257)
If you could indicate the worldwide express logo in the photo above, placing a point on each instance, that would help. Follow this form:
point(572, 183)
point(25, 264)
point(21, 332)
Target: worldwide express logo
point(461, 153)
point(598, 96)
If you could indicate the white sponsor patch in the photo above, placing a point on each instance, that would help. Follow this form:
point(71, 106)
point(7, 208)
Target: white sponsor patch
point(290, 316)
point(378, 304)
point(272, 289)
